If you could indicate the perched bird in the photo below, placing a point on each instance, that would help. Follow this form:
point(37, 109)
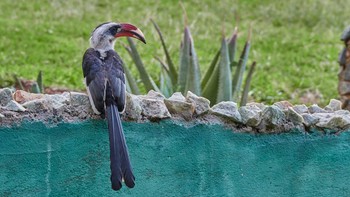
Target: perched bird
point(105, 84)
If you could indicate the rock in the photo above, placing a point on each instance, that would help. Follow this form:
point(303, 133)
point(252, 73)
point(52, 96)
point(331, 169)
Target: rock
point(154, 108)
point(57, 101)
point(202, 105)
point(334, 105)
point(133, 107)
point(300, 109)
point(2, 116)
point(310, 120)
point(273, 119)
point(283, 105)
point(177, 105)
point(251, 115)
point(177, 96)
point(316, 109)
point(294, 117)
point(155, 95)
point(5, 96)
point(259, 105)
point(334, 121)
point(227, 109)
point(78, 99)
point(22, 96)
point(36, 105)
point(14, 106)
point(342, 112)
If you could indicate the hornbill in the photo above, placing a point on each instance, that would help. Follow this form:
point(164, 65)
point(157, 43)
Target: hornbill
point(105, 84)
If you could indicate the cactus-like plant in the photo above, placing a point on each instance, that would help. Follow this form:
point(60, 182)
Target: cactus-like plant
point(34, 86)
point(218, 83)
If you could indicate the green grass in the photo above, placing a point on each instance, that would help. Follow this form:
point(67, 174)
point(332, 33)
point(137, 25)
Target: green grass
point(295, 42)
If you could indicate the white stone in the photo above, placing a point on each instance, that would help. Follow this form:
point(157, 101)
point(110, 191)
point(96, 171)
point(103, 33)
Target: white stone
point(154, 108)
point(334, 105)
point(177, 105)
point(202, 105)
point(5, 96)
point(14, 106)
point(301, 109)
point(251, 115)
point(133, 107)
point(227, 109)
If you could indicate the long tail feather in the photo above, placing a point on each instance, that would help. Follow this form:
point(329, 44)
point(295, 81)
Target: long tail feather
point(120, 163)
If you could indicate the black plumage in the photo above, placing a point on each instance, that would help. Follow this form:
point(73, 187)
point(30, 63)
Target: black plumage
point(105, 81)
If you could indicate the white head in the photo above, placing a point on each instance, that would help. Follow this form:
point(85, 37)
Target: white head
point(104, 35)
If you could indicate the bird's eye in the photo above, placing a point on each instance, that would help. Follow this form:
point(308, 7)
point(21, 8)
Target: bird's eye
point(114, 30)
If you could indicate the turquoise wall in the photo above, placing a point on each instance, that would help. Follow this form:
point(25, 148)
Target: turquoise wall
point(170, 160)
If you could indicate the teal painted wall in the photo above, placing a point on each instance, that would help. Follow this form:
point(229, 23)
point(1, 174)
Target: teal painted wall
point(170, 160)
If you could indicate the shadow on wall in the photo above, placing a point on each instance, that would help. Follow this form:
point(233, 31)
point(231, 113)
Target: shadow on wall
point(171, 160)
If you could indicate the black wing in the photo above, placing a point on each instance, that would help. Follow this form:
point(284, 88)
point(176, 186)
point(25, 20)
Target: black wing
point(97, 73)
point(116, 78)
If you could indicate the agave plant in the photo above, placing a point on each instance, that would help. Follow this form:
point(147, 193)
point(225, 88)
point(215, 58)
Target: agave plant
point(33, 86)
point(219, 82)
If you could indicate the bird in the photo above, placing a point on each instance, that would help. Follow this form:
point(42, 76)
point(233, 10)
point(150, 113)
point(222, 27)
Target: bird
point(104, 79)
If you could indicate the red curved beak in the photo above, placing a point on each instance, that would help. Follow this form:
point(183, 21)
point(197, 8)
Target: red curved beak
point(130, 30)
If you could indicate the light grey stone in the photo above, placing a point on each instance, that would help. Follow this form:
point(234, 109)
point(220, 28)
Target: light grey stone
point(333, 121)
point(283, 105)
point(177, 105)
point(334, 105)
point(14, 106)
point(154, 95)
point(177, 96)
point(57, 101)
point(294, 117)
point(2, 116)
point(316, 109)
point(133, 107)
point(5, 96)
point(202, 105)
point(272, 117)
point(78, 99)
point(227, 109)
point(154, 108)
point(310, 120)
point(300, 109)
point(36, 105)
point(260, 105)
point(251, 115)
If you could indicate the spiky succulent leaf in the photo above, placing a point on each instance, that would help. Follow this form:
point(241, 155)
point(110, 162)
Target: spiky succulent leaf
point(210, 70)
point(232, 46)
point(131, 82)
point(244, 98)
point(189, 72)
point(172, 70)
point(238, 77)
point(210, 90)
point(35, 88)
point(39, 81)
point(139, 65)
point(18, 80)
point(166, 87)
point(225, 82)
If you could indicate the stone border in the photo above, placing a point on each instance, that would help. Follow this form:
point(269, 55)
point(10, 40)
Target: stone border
point(18, 106)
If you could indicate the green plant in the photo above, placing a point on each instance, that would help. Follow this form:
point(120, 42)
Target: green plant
point(217, 85)
point(31, 86)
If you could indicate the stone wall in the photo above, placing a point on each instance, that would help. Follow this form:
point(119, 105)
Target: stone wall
point(18, 106)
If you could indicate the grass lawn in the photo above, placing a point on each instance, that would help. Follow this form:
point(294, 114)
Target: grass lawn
point(295, 42)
